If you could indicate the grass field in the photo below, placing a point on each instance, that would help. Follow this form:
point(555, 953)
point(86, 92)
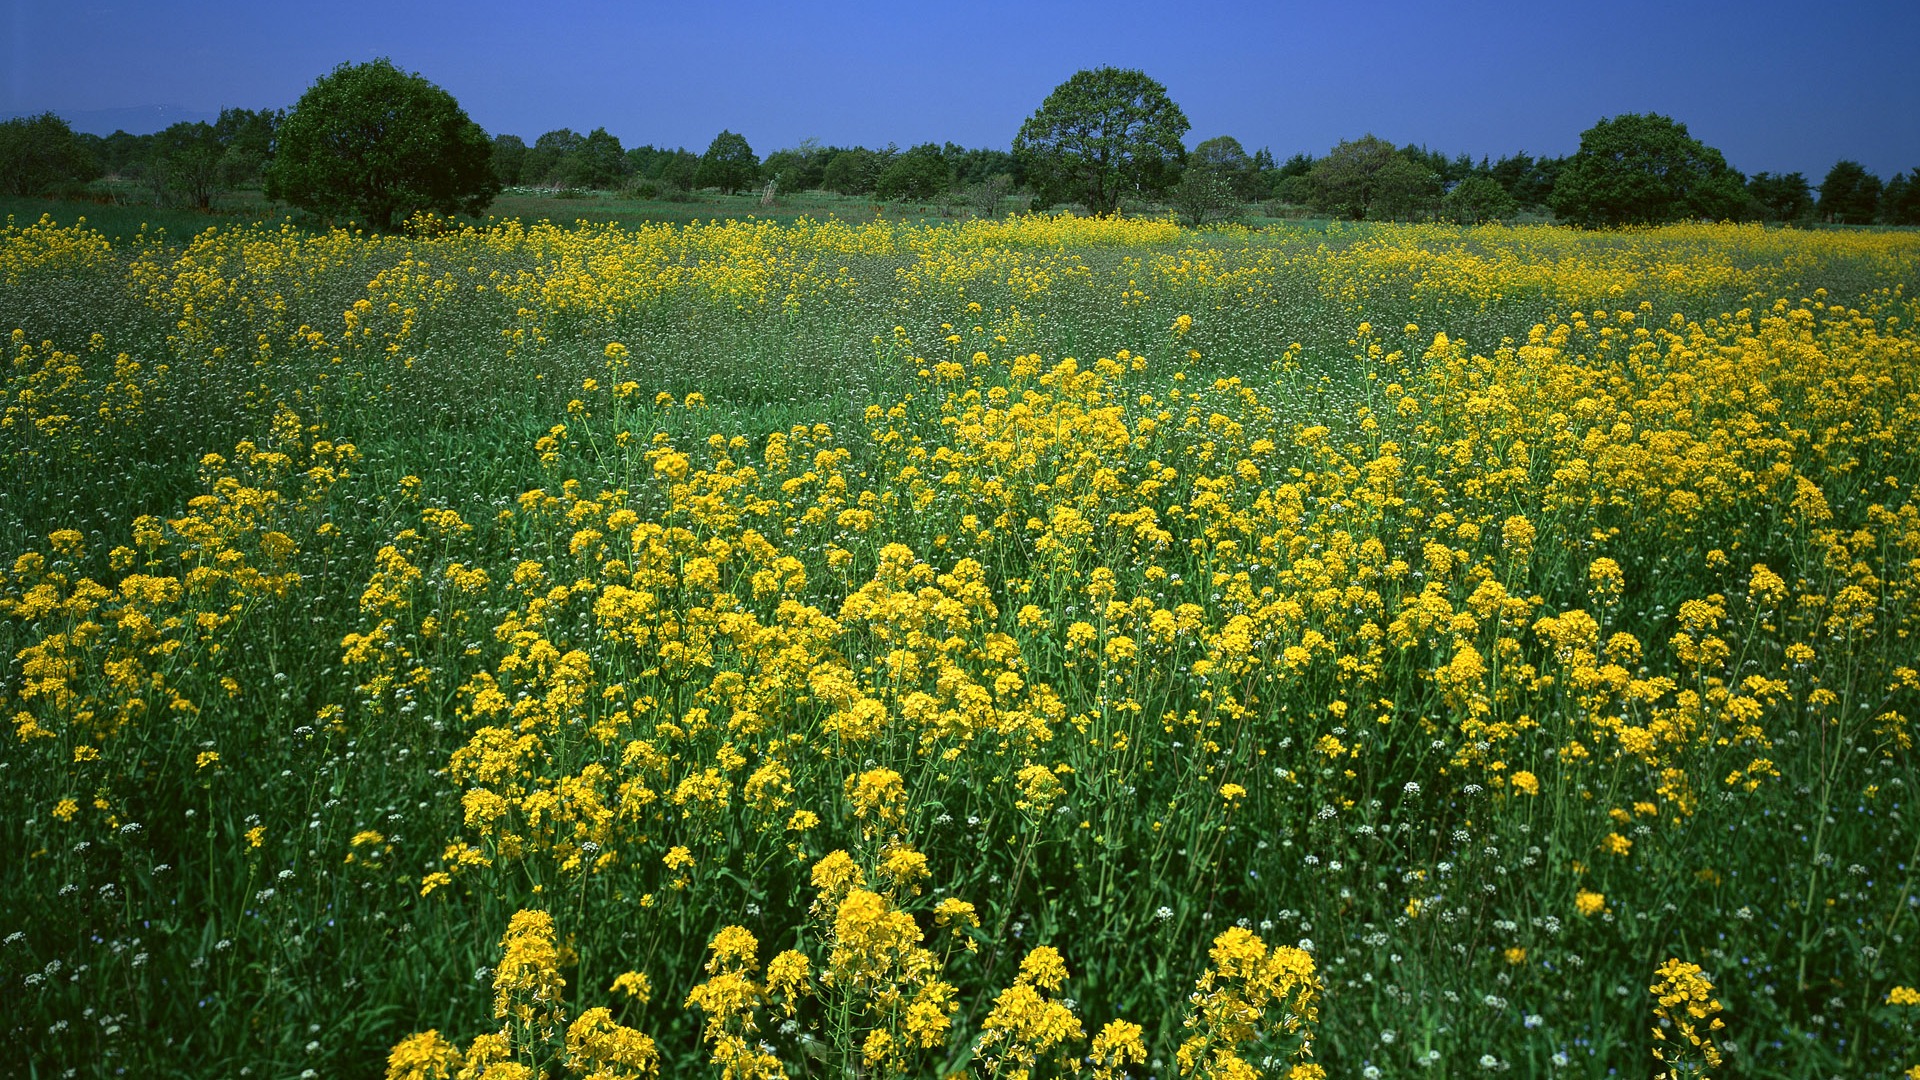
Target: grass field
point(1032, 647)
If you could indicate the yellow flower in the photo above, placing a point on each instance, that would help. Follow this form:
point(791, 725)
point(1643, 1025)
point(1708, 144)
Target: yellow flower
point(634, 984)
point(425, 1056)
point(1588, 903)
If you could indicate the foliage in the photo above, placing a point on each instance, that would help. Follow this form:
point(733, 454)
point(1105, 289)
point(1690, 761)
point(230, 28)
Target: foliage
point(549, 159)
point(903, 649)
point(188, 162)
point(40, 154)
point(508, 160)
point(1478, 199)
point(1226, 159)
point(919, 174)
point(1348, 181)
point(371, 140)
point(1641, 169)
point(1204, 196)
point(1900, 201)
point(729, 164)
point(856, 171)
point(1850, 195)
point(598, 163)
point(1404, 190)
point(1103, 135)
point(799, 168)
point(1780, 198)
point(1528, 179)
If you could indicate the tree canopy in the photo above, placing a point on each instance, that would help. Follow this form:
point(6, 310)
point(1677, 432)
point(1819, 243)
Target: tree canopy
point(1103, 135)
point(1850, 194)
point(1347, 181)
point(1644, 169)
point(372, 140)
point(921, 173)
point(39, 154)
point(729, 164)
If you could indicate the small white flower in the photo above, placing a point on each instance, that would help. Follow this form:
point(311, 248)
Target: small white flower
point(1163, 913)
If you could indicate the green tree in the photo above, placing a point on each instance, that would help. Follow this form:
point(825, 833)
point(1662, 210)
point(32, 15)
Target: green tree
point(1778, 198)
point(508, 159)
point(1850, 194)
point(1644, 169)
point(551, 155)
point(1477, 199)
point(598, 162)
point(1103, 135)
point(1900, 202)
point(1203, 196)
point(728, 164)
point(40, 155)
point(679, 169)
point(187, 163)
point(798, 168)
point(372, 140)
point(855, 171)
point(246, 138)
point(920, 174)
point(1227, 160)
point(1346, 181)
point(1404, 190)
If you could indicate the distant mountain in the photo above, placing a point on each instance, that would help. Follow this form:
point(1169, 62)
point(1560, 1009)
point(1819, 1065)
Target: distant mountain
point(134, 120)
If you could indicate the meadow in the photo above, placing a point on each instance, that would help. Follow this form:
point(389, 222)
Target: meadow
point(1034, 647)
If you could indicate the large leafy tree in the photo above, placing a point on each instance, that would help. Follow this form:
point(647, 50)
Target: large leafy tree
point(246, 138)
point(1346, 183)
point(40, 154)
point(187, 162)
point(372, 140)
point(598, 162)
point(1850, 194)
point(729, 164)
point(921, 174)
point(1900, 201)
point(1102, 135)
point(1644, 169)
point(1228, 161)
point(1477, 199)
point(1782, 197)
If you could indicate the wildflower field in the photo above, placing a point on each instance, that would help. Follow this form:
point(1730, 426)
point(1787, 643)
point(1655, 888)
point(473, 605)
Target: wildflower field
point(1040, 647)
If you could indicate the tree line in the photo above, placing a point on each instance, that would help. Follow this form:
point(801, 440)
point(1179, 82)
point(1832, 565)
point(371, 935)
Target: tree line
point(1103, 140)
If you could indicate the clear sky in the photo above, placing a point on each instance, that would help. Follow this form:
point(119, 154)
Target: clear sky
point(1775, 86)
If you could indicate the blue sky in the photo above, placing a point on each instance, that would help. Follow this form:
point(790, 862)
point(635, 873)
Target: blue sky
point(1775, 86)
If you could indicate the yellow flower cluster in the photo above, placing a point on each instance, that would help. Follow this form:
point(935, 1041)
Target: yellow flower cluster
point(1684, 1021)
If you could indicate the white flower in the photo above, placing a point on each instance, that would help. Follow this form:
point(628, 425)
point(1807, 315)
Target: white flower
point(1164, 913)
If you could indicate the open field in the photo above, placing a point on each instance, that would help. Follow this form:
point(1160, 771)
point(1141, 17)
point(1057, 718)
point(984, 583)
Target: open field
point(875, 648)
